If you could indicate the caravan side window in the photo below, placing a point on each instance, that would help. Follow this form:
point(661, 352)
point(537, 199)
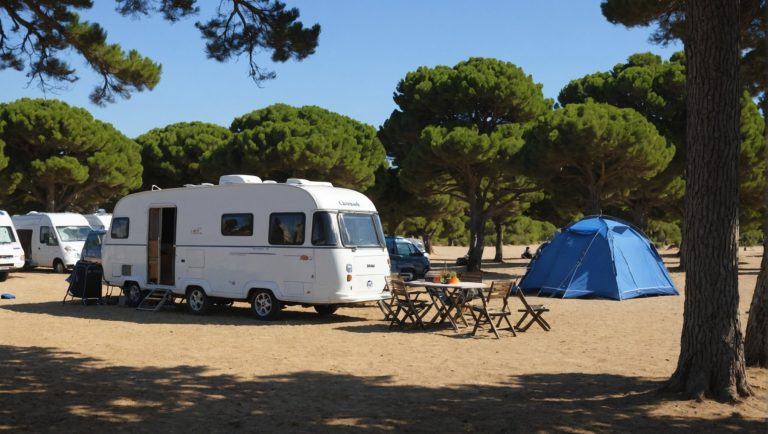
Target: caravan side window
point(287, 228)
point(323, 233)
point(237, 225)
point(120, 227)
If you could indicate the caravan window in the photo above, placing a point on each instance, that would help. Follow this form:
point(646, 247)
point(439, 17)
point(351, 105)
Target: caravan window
point(120, 227)
point(286, 228)
point(237, 225)
point(361, 230)
point(6, 235)
point(323, 233)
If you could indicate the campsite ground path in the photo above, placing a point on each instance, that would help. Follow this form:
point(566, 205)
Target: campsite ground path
point(81, 368)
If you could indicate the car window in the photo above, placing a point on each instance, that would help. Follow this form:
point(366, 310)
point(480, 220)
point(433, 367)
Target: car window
point(402, 249)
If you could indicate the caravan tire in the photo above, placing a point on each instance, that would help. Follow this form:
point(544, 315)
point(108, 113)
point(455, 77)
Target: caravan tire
point(58, 266)
point(326, 309)
point(133, 294)
point(197, 301)
point(265, 305)
point(3, 276)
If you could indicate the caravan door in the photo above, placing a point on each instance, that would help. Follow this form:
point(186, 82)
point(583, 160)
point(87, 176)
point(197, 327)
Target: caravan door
point(161, 246)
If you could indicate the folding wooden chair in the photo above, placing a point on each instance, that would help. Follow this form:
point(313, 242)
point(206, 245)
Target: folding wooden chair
point(484, 313)
point(535, 311)
point(387, 306)
point(408, 309)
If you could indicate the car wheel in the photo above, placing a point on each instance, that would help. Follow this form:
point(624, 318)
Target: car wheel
point(133, 294)
point(58, 266)
point(326, 309)
point(3, 276)
point(264, 305)
point(197, 301)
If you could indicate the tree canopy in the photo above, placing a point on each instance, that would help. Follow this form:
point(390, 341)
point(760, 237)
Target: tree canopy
point(597, 150)
point(60, 158)
point(171, 155)
point(656, 89)
point(36, 35)
point(457, 131)
point(280, 142)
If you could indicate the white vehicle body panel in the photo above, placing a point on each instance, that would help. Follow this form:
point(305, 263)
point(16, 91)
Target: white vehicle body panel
point(198, 253)
point(11, 253)
point(66, 234)
point(99, 220)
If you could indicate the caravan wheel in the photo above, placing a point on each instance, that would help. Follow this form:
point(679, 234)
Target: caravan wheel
point(3, 276)
point(264, 305)
point(133, 294)
point(198, 301)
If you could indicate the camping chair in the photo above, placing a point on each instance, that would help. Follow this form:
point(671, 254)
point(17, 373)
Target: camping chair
point(484, 313)
point(470, 276)
point(533, 310)
point(388, 306)
point(408, 310)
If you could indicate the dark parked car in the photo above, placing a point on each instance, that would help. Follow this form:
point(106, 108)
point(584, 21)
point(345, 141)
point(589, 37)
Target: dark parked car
point(405, 257)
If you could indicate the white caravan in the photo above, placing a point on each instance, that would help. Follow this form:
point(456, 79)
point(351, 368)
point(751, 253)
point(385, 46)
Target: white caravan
point(272, 244)
point(11, 253)
point(99, 220)
point(52, 239)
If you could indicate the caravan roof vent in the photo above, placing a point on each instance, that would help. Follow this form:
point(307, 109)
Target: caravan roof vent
point(239, 179)
point(269, 181)
point(298, 181)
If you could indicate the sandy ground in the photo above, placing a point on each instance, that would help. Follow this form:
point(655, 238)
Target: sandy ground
point(101, 368)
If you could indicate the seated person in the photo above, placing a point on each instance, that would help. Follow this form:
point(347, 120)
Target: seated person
point(527, 253)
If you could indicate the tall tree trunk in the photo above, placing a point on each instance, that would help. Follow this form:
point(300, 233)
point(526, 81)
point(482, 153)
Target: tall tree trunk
point(476, 235)
point(756, 340)
point(711, 362)
point(499, 257)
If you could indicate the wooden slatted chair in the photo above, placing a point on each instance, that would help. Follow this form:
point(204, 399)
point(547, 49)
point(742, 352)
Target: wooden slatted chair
point(485, 313)
point(388, 306)
point(535, 311)
point(408, 310)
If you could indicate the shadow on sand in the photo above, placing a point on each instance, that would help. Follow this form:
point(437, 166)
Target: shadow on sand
point(45, 390)
point(239, 314)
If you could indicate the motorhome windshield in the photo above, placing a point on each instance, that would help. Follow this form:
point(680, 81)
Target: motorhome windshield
point(73, 233)
point(6, 235)
point(361, 230)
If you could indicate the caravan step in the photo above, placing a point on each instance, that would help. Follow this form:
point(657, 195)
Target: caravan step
point(156, 299)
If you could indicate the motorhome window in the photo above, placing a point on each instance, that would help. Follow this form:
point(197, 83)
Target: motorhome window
point(323, 233)
point(286, 228)
point(237, 225)
point(45, 234)
point(120, 227)
point(6, 235)
point(360, 230)
point(73, 233)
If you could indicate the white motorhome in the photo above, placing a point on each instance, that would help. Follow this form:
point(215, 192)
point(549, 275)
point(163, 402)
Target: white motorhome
point(272, 244)
point(11, 253)
point(99, 220)
point(52, 239)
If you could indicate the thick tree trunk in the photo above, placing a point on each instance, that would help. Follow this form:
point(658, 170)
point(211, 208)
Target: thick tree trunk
point(711, 362)
point(594, 202)
point(756, 340)
point(499, 257)
point(476, 236)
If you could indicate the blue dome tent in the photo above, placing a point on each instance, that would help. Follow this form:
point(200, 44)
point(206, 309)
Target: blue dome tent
point(599, 256)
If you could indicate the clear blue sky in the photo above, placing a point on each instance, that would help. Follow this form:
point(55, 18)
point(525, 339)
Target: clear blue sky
point(366, 47)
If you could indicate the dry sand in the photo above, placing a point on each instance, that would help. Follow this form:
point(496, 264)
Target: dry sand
point(100, 368)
